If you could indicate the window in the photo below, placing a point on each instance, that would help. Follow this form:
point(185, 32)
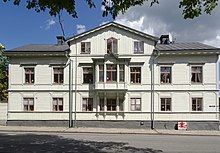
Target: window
point(111, 73)
point(111, 104)
point(112, 45)
point(85, 47)
point(101, 104)
point(121, 73)
point(165, 104)
point(101, 73)
point(57, 104)
point(138, 47)
point(87, 75)
point(87, 104)
point(58, 75)
point(121, 103)
point(29, 75)
point(28, 104)
point(165, 74)
point(196, 104)
point(196, 74)
point(135, 104)
point(135, 74)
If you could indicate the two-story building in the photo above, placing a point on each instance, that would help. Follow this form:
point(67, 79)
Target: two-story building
point(114, 76)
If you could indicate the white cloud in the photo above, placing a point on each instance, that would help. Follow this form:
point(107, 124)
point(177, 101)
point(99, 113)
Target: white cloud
point(166, 17)
point(49, 23)
point(80, 28)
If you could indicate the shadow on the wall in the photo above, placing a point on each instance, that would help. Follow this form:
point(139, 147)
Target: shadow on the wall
point(51, 143)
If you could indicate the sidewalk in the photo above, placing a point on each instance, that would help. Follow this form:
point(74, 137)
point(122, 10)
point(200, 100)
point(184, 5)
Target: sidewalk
point(107, 131)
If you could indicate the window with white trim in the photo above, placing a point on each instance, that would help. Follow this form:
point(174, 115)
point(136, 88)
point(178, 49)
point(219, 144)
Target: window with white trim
point(196, 74)
point(58, 75)
point(135, 74)
point(85, 47)
point(101, 73)
point(29, 75)
point(165, 104)
point(87, 75)
point(138, 47)
point(112, 45)
point(28, 104)
point(87, 104)
point(121, 72)
point(135, 104)
point(111, 72)
point(197, 104)
point(165, 74)
point(57, 104)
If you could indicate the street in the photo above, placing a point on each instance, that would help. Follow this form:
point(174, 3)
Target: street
point(99, 143)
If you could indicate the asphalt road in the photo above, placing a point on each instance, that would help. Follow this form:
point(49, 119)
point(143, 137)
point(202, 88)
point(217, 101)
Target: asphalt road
point(99, 143)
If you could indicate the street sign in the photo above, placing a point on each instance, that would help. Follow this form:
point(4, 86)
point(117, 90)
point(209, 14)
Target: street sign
point(182, 125)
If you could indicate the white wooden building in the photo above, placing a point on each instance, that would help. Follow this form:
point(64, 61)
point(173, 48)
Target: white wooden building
point(114, 76)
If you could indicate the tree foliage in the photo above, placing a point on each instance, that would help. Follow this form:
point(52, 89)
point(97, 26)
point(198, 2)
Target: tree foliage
point(3, 74)
point(191, 8)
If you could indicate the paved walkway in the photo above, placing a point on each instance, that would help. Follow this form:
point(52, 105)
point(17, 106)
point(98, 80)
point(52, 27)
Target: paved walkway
point(107, 131)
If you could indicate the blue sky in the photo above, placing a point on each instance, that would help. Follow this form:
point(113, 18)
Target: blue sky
point(20, 26)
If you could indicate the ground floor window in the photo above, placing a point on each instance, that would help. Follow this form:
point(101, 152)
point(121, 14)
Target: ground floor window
point(111, 104)
point(135, 104)
point(165, 104)
point(196, 104)
point(57, 104)
point(28, 104)
point(87, 104)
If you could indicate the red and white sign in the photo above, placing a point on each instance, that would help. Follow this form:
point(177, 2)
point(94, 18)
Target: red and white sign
point(182, 125)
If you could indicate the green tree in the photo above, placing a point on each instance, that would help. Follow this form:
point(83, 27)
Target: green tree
point(3, 74)
point(191, 8)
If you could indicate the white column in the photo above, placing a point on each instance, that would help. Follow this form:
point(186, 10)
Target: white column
point(117, 102)
point(105, 102)
point(104, 72)
point(97, 103)
point(96, 73)
point(117, 73)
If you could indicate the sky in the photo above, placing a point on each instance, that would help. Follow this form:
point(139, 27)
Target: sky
point(20, 26)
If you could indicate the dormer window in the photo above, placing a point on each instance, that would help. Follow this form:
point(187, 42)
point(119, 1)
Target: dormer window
point(112, 45)
point(85, 47)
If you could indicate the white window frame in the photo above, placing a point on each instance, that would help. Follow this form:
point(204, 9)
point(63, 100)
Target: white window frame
point(139, 44)
point(87, 49)
point(190, 75)
point(54, 67)
point(164, 65)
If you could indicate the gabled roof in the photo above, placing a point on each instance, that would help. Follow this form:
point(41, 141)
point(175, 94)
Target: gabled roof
point(115, 25)
point(184, 46)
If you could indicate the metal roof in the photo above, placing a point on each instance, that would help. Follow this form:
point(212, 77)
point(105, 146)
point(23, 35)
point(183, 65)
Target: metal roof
point(40, 48)
point(191, 46)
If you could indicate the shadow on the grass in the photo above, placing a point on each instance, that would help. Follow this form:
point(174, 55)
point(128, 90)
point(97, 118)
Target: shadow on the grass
point(50, 143)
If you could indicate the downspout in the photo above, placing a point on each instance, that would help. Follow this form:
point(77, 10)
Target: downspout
point(75, 86)
point(70, 89)
point(155, 56)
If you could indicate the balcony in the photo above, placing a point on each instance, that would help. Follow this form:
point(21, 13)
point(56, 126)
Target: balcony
point(111, 86)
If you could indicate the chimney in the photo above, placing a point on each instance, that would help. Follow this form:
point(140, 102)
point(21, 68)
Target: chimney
point(60, 40)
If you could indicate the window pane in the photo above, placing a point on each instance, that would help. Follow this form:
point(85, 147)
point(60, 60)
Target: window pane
point(133, 107)
point(60, 102)
point(84, 101)
point(138, 101)
point(138, 107)
point(31, 101)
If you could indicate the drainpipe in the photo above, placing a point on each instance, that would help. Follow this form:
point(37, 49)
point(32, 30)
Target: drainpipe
point(75, 86)
point(70, 88)
point(155, 56)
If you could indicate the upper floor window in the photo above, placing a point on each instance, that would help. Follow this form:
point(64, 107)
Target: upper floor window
point(165, 104)
point(58, 75)
point(121, 73)
point(57, 104)
point(135, 104)
point(196, 104)
point(196, 74)
point(85, 47)
point(165, 74)
point(29, 75)
point(112, 45)
point(135, 74)
point(87, 104)
point(101, 73)
point(138, 47)
point(87, 75)
point(111, 72)
point(28, 104)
